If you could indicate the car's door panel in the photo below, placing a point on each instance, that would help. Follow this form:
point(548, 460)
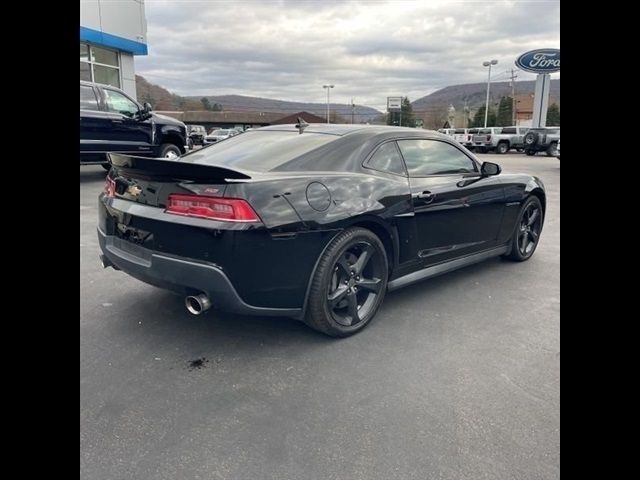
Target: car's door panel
point(459, 215)
point(127, 132)
point(455, 213)
point(130, 134)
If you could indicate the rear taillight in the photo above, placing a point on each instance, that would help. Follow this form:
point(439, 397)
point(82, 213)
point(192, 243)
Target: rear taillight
point(214, 208)
point(110, 187)
point(488, 138)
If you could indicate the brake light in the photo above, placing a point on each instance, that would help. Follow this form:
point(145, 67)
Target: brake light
point(488, 137)
point(110, 187)
point(213, 208)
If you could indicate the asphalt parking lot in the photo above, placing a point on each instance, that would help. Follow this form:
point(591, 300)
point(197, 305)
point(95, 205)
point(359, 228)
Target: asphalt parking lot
point(457, 377)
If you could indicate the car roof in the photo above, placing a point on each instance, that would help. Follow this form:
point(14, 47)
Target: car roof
point(96, 84)
point(346, 129)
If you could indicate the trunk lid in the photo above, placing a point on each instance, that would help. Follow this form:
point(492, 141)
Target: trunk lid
point(150, 181)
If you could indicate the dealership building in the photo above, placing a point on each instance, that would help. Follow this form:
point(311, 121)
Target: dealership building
point(111, 34)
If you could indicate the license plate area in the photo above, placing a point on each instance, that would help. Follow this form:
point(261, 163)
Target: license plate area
point(134, 236)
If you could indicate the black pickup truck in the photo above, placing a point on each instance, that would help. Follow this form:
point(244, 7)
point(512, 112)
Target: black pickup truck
point(111, 121)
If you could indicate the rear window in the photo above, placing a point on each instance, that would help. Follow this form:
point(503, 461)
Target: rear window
point(508, 130)
point(459, 130)
point(473, 130)
point(259, 151)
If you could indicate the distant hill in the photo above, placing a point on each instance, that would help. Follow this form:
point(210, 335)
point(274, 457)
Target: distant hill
point(241, 103)
point(475, 95)
point(433, 105)
point(163, 100)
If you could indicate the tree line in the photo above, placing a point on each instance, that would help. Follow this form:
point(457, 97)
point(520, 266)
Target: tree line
point(503, 117)
point(500, 117)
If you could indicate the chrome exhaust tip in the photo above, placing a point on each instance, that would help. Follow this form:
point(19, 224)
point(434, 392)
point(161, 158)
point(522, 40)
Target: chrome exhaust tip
point(197, 304)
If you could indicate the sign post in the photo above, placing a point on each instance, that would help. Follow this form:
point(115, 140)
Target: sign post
point(543, 62)
point(394, 104)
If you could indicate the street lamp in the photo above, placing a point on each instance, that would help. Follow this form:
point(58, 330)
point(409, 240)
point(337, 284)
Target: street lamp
point(328, 87)
point(486, 108)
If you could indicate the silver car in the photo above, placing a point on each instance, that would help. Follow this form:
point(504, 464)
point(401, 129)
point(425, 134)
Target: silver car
point(218, 135)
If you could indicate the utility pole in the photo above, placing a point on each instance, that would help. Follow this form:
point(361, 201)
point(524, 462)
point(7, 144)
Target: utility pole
point(486, 108)
point(514, 107)
point(465, 114)
point(328, 87)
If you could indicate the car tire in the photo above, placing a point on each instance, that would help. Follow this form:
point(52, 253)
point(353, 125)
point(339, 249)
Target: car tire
point(530, 152)
point(526, 235)
point(531, 138)
point(341, 290)
point(169, 151)
point(106, 166)
point(502, 148)
point(551, 150)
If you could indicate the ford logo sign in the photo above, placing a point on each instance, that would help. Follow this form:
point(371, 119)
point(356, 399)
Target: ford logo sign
point(546, 60)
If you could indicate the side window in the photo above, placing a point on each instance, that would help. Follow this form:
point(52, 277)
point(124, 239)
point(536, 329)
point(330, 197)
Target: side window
point(88, 100)
point(387, 159)
point(431, 157)
point(117, 102)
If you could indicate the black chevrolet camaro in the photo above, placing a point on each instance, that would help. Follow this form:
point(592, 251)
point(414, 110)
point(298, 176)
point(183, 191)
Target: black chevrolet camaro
point(315, 222)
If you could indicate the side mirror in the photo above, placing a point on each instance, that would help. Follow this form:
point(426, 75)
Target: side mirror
point(145, 113)
point(488, 169)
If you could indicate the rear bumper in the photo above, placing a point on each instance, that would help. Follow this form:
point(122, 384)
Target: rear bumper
point(181, 275)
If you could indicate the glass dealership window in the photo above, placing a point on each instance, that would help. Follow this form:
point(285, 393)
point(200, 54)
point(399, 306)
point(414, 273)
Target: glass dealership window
point(99, 65)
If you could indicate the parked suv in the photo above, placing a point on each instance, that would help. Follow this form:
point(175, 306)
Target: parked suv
point(542, 139)
point(482, 140)
point(197, 134)
point(508, 138)
point(111, 121)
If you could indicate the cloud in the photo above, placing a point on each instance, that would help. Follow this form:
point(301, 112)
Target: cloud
point(367, 49)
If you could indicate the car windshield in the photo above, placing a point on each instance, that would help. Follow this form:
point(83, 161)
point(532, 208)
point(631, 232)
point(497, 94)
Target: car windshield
point(259, 151)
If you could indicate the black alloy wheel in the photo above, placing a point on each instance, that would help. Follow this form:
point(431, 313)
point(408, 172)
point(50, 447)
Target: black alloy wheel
point(349, 284)
point(527, 234)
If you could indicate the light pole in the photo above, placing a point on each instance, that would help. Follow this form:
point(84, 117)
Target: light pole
point(328, 87)
point(486, 108)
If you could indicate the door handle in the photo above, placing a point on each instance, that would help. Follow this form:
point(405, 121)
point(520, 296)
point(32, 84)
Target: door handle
point(426, 195)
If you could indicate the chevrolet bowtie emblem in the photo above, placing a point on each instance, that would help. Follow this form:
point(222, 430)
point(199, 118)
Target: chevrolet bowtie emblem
point(134, 190)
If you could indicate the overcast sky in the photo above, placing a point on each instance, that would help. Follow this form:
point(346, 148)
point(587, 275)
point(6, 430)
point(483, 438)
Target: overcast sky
point(368, 49)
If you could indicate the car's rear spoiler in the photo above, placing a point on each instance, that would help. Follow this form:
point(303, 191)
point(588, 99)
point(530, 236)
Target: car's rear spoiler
point(173, 168)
